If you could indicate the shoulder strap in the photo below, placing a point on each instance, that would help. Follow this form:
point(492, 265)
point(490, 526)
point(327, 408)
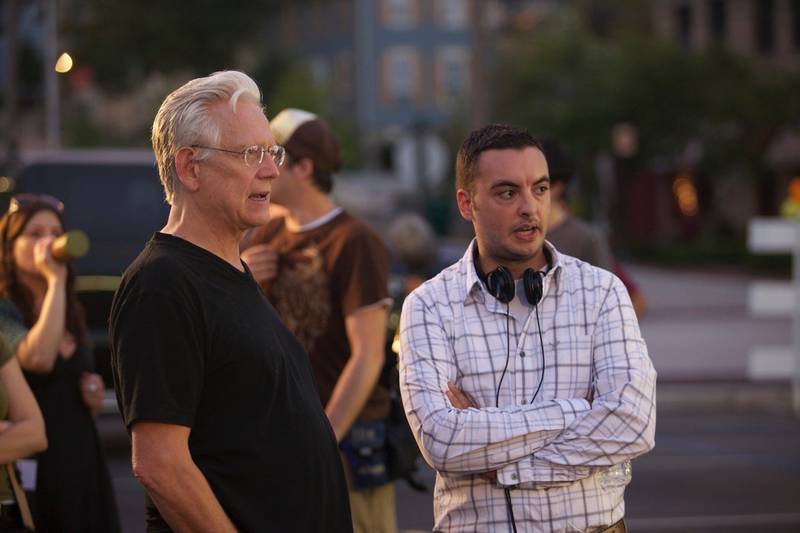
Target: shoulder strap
point(19, 495)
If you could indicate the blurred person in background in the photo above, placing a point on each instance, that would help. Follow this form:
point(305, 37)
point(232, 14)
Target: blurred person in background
point(21, 434)
point(326, 272)
point(571, 235)
point(42, 321)
point(228, 433)
point(523, 372)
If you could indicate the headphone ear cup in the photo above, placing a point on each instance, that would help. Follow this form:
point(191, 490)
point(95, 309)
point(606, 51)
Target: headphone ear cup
point(500, 283)
point(532, 281)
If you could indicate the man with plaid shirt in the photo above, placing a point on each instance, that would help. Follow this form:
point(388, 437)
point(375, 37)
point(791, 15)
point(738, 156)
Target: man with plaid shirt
point(529, 406)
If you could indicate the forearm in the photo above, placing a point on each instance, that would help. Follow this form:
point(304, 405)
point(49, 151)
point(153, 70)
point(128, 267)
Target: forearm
point(352, 392)
point(39, 349)
point(185, 500)
point(22, 439)
point(366, 333)
point(480, 440)
point(619, 426)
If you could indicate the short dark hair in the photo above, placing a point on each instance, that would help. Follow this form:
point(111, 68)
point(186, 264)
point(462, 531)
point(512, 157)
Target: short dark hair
point(559, 162)
point(491, 137)
point(321, 179)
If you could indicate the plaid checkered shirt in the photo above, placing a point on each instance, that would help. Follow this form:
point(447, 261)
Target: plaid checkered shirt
point(566, 455)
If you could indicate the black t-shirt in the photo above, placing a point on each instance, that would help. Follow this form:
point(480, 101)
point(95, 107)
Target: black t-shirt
point(195, 343)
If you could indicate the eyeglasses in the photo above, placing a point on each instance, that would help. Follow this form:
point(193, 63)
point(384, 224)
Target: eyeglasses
point(254, 155)
point(22, 201)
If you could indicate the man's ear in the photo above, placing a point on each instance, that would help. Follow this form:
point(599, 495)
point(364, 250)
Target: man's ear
point(303, 168)
point(465, 206)
point(187, 169)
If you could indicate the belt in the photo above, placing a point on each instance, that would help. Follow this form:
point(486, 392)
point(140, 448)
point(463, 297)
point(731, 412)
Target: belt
point(619, 527)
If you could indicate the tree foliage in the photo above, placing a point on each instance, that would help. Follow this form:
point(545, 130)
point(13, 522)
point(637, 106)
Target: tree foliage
point(124, 40)
point(567, 82)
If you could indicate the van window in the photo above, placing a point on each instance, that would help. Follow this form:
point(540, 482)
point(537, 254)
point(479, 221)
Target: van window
point(119, 206)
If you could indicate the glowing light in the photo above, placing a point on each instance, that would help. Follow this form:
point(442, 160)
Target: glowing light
point(6, 184)
point(64, 63)
point(685, 194)
point(794, 189)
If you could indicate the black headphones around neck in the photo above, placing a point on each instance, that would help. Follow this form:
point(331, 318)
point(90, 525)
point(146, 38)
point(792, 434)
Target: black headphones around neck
point(500, 282)
point(501, 285)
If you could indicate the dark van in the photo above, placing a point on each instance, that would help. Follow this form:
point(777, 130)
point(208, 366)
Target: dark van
point(115, 196)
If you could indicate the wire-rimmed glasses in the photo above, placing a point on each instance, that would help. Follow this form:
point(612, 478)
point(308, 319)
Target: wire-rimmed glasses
point(254, 155)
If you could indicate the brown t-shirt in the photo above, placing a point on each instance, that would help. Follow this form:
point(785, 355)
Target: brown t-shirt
point(325, 274)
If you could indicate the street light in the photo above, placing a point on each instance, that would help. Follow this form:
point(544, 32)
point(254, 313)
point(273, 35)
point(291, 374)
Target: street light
point(64, 63)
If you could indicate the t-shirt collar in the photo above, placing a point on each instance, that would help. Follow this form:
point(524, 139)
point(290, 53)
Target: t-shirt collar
point(321, 221)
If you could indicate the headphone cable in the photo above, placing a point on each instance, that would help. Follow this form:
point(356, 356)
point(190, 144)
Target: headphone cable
point(541, 345)
point(508, 356)
point(506, 491)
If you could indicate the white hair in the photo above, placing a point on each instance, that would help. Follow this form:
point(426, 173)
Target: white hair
point(184, 118)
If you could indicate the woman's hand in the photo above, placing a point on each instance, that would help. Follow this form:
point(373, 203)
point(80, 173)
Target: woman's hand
point(43, 259)
point(93, 391)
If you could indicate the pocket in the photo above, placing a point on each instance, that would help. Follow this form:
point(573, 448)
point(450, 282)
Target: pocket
point(573, 366)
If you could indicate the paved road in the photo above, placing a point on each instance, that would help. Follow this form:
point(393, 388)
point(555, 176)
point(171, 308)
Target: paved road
point(698, 327)
point(716, 468)
point(727, 457)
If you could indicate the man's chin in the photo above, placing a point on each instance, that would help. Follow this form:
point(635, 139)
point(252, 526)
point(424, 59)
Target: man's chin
point(518, 254)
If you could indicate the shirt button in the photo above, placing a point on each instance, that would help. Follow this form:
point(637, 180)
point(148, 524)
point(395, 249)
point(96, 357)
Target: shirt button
point(515, 477)
point(522, 354)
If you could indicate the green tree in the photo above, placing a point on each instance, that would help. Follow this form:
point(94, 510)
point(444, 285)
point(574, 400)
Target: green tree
point(122, 41)
point(565, 81)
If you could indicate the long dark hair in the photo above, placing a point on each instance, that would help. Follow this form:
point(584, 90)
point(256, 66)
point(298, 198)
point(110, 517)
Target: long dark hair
point(11, 227)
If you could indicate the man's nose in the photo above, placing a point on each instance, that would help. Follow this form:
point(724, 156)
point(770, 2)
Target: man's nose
point(268, 169)
point(528, 204)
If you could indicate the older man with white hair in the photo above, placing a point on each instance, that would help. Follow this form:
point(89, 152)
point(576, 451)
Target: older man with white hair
point(227, 430)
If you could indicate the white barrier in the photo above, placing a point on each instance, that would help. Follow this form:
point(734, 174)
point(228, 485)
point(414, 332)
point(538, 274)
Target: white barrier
point(777, 299)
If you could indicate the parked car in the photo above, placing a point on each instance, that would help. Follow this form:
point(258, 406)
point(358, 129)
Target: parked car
point(115, 196)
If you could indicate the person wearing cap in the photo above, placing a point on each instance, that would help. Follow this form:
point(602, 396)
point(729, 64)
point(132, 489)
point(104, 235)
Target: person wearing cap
point(326, 273)
point(227, 431)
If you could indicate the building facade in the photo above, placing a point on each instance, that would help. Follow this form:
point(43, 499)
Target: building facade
point(764, 29)
point(394, 66)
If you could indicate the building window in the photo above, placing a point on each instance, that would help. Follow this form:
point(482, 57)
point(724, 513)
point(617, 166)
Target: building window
point(400, 14)
point(320, 70)
point(401, 74)
point(765, 21)
point(716, 20)
point(452, 14)
point(683, 23)
point(343, 75)
point(452, 74)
